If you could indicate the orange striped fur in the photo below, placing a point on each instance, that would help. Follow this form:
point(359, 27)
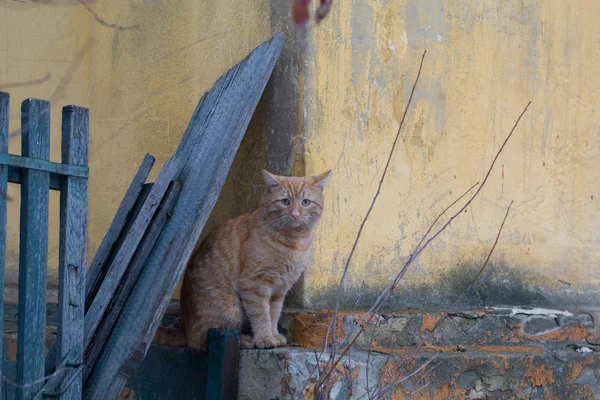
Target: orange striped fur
point(241, 272)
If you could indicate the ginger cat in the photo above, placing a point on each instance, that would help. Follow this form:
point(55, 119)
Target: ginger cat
point(242, 271)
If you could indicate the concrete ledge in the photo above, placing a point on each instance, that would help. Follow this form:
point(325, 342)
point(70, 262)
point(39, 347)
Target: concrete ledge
point(492, 330)
point(565, 375)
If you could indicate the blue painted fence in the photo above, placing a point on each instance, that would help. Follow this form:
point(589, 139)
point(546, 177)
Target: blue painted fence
point(37, 175)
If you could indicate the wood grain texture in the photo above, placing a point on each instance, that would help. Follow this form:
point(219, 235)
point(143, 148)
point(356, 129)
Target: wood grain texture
point(223, 364)
point(33, 250)
point(73, 243)
point(14, 176)
point(119, 264)
point(207, 150)
point(4, 117)
point(137, 262)
point(98, 267)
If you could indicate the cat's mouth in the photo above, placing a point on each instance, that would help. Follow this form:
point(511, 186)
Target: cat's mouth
point(299, 224)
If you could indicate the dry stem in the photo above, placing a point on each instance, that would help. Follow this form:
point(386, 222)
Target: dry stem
point(352, 336)
point(337, 301)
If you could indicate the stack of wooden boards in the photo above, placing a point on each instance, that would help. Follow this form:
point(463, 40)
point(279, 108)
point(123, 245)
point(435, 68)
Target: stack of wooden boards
point(157, 225)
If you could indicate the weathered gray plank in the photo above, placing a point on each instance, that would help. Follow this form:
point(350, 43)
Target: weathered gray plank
point(223, 364)
point(137, 262)
point(73, 243)
point(98, 267)
point(4, 117)
point(119, 264)
point(33, 250)
point(208, 148)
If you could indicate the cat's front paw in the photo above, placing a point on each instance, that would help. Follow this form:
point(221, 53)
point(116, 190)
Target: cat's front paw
point(246, 342)
point(281, 340)
point(266, 342)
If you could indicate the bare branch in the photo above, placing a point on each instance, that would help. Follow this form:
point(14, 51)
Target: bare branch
point(474, 282)
point(103, 22)
point(337, 301)
point(387, 388)
point(386, 292)
point(491, 251)
point(442, 213)
point(11, 85)
point(285, 378)
point(353, 335)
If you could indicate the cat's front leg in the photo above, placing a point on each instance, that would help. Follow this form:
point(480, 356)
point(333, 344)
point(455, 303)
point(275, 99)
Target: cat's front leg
point(257, 308)
point(276, 306)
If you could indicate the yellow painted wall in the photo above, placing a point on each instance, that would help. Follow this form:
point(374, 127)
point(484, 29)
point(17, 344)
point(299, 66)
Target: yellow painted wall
point(485, 60)
point(141, 81)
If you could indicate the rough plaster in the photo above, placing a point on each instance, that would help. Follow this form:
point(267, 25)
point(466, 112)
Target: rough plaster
point(484, 61)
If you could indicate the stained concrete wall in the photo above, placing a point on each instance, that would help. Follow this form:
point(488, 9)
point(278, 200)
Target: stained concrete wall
point(141, 80)
point(485, 60)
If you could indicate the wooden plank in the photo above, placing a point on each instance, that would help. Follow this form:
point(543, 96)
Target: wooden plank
point(33, 250)
point(98, 267)
point(223, 364)
point(118, 266)
point(208, 148)
point(137, 262)
point(52, 356)
point(4, 117)
point(43, 165)
point(73, 244)
point(14, 176)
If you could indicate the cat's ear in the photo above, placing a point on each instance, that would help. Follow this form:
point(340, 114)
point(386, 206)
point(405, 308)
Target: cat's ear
point(321, 180)
point(270, 179)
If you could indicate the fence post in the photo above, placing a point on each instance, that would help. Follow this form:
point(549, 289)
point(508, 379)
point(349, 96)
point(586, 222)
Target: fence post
point(33, 249)
point(223, 364)
point(72, 244)
point(4, 116)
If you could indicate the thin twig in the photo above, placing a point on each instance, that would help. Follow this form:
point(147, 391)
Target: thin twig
point(474, 281)
point(332, 360)
point(352, 336)
point(285, 378)
point(339, 294)
point(33, 82)
point(419, 389)
point(103, 22)
point(386, 388)
point(442, 213)
point(369, 355)
point(385, 293)
point(491, 250)
point(40, 380)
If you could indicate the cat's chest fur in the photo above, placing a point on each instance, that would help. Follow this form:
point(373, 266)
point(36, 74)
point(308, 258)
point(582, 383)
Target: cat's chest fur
point(283, 261)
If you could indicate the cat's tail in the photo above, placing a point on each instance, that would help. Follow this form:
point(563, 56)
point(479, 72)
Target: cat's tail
point(170, 336)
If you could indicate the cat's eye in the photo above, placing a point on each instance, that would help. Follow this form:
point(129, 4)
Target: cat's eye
point(285, 202)
point(306, 202)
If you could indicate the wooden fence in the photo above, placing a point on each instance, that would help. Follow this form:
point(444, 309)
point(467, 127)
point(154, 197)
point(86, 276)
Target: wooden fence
point(37, 175)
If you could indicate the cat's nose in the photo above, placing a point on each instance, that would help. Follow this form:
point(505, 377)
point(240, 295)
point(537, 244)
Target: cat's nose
point(295, 214)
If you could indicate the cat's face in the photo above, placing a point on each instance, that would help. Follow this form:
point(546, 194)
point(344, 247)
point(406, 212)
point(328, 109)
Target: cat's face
point(294, 202)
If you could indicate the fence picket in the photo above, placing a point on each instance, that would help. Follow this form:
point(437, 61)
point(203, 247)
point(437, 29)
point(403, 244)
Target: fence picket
point(4, 116)
point(72, 246)
point(33, 250)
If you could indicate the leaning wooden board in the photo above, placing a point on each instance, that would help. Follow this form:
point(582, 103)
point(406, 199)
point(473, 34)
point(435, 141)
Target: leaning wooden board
point(205, 153)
